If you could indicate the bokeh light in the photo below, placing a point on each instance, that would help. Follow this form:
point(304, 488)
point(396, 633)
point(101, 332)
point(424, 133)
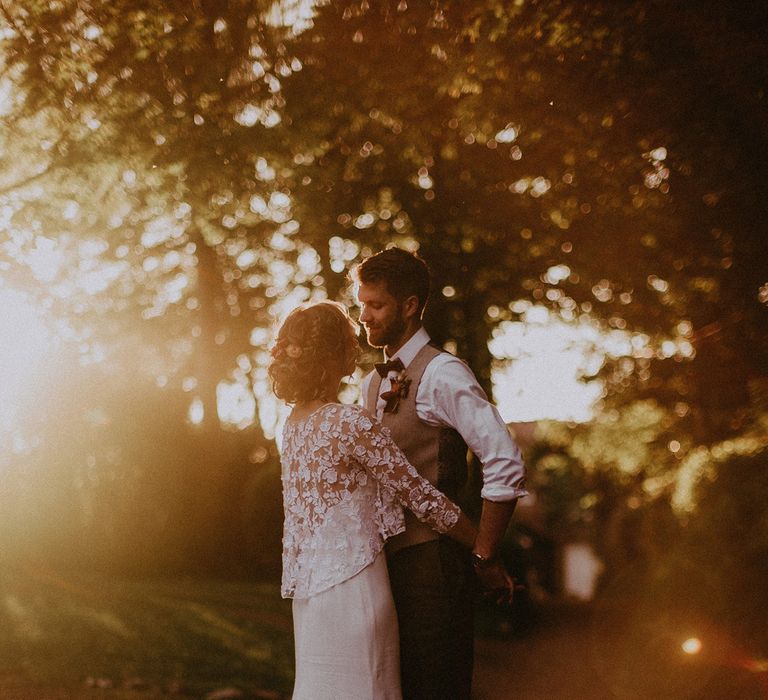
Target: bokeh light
point(692, 645)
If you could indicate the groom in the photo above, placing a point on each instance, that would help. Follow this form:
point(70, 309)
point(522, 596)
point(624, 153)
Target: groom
point(434, 407)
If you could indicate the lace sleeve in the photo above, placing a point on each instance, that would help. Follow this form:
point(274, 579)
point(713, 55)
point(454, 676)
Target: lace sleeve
point(372, 447)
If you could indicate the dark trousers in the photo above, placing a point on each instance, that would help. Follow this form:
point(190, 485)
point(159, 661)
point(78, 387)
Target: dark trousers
point(433, 588)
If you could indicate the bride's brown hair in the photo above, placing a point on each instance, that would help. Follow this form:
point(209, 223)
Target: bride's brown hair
point(315, 343)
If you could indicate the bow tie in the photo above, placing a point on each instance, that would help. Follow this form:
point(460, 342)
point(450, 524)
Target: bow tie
point(384, 368)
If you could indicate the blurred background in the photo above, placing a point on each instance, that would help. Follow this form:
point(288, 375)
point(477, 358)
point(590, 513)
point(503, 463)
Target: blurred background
point(587, 181)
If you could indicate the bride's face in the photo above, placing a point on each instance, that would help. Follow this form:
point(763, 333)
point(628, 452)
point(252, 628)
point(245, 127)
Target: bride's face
point(352, 362)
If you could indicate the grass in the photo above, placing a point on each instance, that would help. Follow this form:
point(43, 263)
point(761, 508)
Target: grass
point(149, 639)
point(66, 633)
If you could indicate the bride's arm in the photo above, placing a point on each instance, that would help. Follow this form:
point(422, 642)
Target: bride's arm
point(374, 449)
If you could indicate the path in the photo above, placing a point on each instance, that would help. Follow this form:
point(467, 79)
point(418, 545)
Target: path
point(583, 653)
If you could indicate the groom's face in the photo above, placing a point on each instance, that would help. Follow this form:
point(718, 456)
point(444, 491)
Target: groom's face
point(381, 315)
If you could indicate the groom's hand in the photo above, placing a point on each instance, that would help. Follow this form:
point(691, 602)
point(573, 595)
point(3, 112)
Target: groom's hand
point(490, 571)
point(496, 581)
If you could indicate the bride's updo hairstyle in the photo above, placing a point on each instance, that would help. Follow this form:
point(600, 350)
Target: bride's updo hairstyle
point(315, 344)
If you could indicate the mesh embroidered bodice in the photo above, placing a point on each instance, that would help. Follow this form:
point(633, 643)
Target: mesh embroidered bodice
point(345, 483)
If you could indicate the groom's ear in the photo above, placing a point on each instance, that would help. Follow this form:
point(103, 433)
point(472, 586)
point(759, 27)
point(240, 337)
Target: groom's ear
point(411, 306)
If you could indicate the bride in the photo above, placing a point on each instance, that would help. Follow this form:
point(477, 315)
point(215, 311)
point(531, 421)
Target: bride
point(345, 484)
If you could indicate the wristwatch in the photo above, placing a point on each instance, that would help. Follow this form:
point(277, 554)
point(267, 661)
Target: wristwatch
point(480, 562)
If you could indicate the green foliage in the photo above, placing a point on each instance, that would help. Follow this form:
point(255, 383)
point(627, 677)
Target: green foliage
point(609, 481)
point(629, 441)
point(502, 140)
point(150, 104)
point(705, 462)
point(148, 158)
point(617, 482)
point(515, 139)
point(719, 565)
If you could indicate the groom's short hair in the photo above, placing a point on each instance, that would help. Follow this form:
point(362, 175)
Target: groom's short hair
point(404, 274)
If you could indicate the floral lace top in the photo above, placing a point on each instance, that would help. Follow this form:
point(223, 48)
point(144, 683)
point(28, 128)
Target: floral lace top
point(344, 484)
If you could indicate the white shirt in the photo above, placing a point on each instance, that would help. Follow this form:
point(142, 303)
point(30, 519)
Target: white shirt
point(450, 396)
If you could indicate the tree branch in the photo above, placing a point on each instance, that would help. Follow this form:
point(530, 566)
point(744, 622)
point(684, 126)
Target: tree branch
point(26, 181)
point(12, 23)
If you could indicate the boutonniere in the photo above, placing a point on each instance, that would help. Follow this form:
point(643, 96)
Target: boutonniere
point(398, 390)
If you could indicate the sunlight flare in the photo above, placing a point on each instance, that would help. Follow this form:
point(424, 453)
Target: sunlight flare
point(25, 342)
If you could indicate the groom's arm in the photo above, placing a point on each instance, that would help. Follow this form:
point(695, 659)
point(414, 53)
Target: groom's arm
point(494, 520)
point(451, 395)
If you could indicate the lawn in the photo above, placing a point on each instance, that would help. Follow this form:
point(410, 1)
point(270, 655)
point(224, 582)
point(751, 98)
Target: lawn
point(71, 636)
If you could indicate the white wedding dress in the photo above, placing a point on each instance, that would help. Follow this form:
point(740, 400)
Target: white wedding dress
point(344, 485)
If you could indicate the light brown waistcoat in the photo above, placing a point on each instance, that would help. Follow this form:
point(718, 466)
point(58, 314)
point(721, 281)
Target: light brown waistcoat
point(438, 453)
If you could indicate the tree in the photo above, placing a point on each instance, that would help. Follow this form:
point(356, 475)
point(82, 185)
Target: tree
point(542, 151)
point(547, 152)
point(167, 110)
point(504, 141)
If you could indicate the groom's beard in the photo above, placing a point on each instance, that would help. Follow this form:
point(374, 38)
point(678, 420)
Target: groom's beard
point(390, 334)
